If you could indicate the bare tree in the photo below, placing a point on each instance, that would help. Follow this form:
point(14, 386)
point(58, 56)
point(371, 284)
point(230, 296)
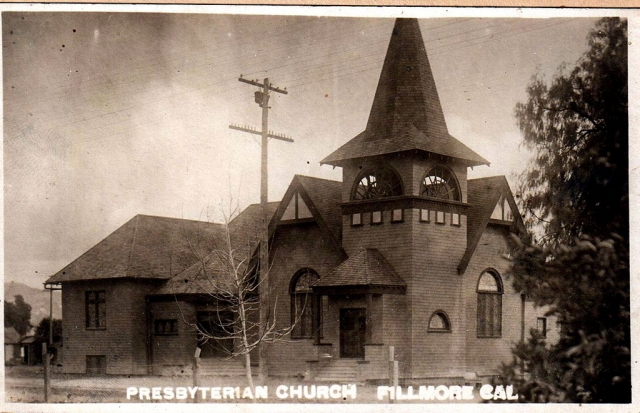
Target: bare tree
point(229, 275)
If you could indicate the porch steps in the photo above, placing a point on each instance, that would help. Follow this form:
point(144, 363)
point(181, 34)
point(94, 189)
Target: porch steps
point(223, 367)
point(339, 371)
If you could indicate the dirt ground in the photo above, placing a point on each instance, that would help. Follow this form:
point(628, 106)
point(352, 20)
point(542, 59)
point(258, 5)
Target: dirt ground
point(25, 384)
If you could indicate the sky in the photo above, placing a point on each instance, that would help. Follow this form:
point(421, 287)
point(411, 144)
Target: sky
point(109, 115)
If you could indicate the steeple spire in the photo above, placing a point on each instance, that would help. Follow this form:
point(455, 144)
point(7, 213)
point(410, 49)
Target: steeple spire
point(406, 114)
point(406, 93)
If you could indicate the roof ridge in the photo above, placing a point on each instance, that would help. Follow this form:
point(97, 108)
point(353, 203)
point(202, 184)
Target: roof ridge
point(258, 204)
point(133, 244)
point(315, 177)
point(176, 219)
point(367, 276)
point(487, 177)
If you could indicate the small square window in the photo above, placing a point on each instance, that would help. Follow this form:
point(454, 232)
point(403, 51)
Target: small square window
point(439, 217)
point(166, 327)
point(356, 219)
point(455, 219)
point(397, 215)
point(376, 217)
point(424, 215)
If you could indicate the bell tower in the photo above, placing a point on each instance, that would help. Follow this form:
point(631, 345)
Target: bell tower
point(404, 193)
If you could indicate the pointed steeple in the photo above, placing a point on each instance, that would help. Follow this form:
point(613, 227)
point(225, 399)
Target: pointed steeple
point(406, 114)
point(406, 93)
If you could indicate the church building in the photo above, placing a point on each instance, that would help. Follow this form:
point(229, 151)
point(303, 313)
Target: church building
point(405, 251)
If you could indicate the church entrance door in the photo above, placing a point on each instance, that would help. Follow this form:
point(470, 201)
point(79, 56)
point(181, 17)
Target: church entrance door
point(353, 329)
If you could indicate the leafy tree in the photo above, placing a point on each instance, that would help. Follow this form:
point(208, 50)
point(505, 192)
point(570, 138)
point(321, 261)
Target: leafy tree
point(578, 129)
point(586, 286)
point(17, 315)
point(577, 188)
point(42, 330)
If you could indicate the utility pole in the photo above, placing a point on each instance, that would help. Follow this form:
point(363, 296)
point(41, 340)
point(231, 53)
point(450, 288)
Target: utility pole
point(262, 99)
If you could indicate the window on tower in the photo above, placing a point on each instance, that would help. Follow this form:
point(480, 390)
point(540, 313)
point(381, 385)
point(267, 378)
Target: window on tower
point(440, 183)
point(376, 183)
point(376, 217)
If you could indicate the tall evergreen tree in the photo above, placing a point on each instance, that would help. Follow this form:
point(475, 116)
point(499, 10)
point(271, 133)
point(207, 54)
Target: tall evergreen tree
point(576, 190)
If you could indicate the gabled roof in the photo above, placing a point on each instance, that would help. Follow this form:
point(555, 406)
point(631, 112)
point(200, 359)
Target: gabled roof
point(11, 336)
point(322, 197)
point(326, 196)
point(406, 114)
point(368, 267)
point(146, 247)
point(210, 275)
point(208, 270)
point(483, 195)
point(245, 227)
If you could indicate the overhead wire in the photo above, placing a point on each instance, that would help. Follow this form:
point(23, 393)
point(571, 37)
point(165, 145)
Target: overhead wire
point(335, 74)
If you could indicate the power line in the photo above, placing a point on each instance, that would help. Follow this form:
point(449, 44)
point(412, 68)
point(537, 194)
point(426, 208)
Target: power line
point(335, 74)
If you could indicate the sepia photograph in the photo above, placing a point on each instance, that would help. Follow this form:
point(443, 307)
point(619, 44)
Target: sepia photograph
point(318, 206)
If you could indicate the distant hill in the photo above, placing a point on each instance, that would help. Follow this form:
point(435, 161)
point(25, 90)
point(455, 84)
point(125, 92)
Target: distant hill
point(38, 299)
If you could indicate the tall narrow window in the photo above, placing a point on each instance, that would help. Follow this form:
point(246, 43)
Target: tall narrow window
point(489, 305)
point(95, 309)
point(542, 326)
point(302, 305)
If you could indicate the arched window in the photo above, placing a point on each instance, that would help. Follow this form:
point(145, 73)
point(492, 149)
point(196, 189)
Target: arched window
point(439, 322)
point(490, 304)
point(302, 306)
point(375, 183)
point(440, 183)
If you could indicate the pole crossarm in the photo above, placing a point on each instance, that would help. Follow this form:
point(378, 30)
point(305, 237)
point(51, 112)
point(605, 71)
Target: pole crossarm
point(262, 99)
point(257, 132)
point(256, 83)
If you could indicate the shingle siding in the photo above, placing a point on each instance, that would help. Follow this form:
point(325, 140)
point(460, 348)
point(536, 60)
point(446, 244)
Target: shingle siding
point(436, 250)
point(124, 339)
point(296, 247)
point(173, 353)
point(484, 355)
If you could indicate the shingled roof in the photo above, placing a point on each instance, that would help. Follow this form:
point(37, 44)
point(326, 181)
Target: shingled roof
point(146, 247)
point(406, 114)
point(368, 267)
point(11, 336)
point(483, 194)
point(326, 197)
point(244, 228)
point(209, 270)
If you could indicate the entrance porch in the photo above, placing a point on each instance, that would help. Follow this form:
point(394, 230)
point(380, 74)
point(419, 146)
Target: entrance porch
point(350, 338)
